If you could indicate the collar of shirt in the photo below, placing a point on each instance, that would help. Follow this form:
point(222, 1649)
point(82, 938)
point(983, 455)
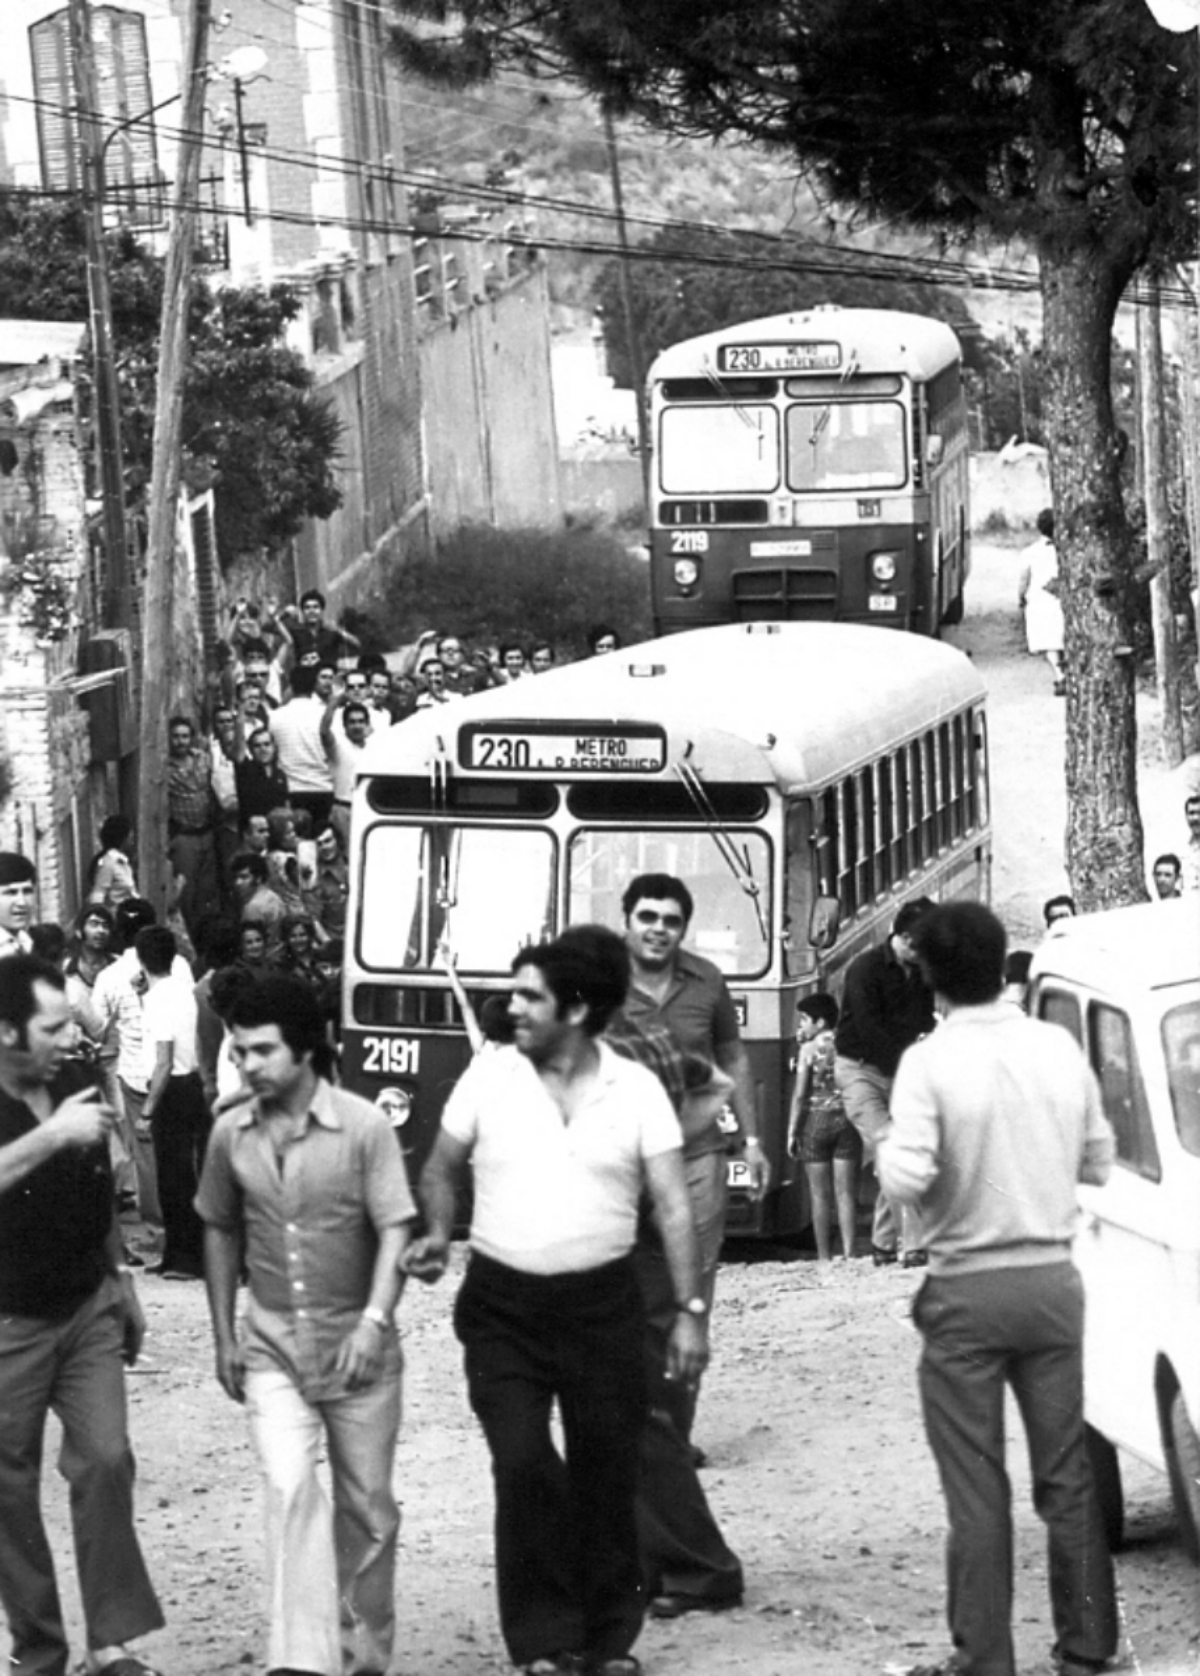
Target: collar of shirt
point(320, 1110)
point(685, 969)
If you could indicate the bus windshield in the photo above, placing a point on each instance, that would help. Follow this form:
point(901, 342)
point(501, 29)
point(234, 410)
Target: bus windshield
point(733, 914)
point(703, 450)
point(487, 890)
point(846, 445)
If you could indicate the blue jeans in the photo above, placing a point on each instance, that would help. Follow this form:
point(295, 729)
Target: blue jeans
point(1021, 1328)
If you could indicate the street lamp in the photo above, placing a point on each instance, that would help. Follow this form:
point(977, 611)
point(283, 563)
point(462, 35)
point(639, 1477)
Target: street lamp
point(242, 66)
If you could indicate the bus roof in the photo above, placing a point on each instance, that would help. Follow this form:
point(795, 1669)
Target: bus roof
point(797, 703)
point(883, 340)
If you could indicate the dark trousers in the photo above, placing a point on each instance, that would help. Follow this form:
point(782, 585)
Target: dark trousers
point(1021, 1328)
point(74, 1369)
point(682, 1549)
point(567, 1568)
point(179, 1127)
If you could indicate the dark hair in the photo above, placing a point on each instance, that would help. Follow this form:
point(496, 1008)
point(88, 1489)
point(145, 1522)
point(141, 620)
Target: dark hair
point(372, 663)
point(16, 869)
point(821, 1006)
point(508, 646)
point(1191, 801)
point(278, 821)
point(18, 1002)
point(156, 948)
point(1016, 967)
point(131, 916)
point(216, 938)
point(291, 1004)
point(1063, 901)
point(541, 646)
point(495, 1020)
point(249, 861)
point(1045, 522)
point(258, 926)
point(587, 964)
point(255, 647)
point(93, 910)
point(331, 952)
point(601, 631)
point(1171, 859)
point(289, 922)
point(49, 941)
point(304, 680)
point(910, 914)
point(261, 731)
point(961, 946)
point(312, 593)
point(356, 708)
point(656, 887)
point(228, 984)
point(114, 831)
point(182, 721)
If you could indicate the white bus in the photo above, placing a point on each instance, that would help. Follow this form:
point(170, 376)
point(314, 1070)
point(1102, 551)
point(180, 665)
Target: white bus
point(804, 779)
point(810, 467)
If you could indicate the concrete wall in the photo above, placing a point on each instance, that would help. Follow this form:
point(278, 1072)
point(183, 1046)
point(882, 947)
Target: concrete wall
point(490, 446)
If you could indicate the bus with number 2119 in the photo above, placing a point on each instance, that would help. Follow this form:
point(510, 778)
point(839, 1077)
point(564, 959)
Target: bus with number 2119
point(803, 779)
point(810, 467)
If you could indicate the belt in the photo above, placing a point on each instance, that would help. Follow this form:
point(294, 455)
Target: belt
point(341, 802)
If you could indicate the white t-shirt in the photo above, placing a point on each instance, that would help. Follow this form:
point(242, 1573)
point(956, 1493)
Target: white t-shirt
point(552, 1196)
point(344, 758)
point(169, 1015)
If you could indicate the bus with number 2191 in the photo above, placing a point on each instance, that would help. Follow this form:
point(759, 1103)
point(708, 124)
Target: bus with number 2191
point(810, 467)
point(803, 784)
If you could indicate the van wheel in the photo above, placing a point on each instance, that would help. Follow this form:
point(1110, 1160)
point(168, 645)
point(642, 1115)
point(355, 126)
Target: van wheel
point(1106, 1476)
point(1183, 1466)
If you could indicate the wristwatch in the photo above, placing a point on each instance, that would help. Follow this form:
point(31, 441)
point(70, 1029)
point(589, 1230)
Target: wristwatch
point(377, 1317)
point(693, 1306)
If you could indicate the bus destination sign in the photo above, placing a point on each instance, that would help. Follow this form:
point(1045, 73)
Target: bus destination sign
point(779, 357)
point(508, 748)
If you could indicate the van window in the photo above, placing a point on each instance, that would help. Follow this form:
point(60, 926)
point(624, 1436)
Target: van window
point(1114, 1061)
point(1181, 1046)
point(1056, 1006)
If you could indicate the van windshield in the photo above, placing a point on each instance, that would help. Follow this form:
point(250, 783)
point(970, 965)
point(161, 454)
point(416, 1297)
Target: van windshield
point(1181, 1046)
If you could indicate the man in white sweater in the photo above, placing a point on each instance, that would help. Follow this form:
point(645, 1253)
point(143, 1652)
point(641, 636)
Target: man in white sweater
point(995, 1118)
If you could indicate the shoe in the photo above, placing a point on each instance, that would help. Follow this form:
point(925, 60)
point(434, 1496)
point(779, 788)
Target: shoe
point(678, 1606)
point(915, 1259)
point(1070, 1664)
point(129, 1664)
point(562, 1664)
point(621, 1664)
point(699, 1458)
point(881, 1256)
point(173, 1271)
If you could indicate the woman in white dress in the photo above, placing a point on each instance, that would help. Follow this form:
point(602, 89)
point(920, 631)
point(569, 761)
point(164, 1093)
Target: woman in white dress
point(1038, 598)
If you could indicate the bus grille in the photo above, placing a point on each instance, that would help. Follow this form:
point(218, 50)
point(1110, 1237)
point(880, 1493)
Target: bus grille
point(783, 595)
point(675, 512)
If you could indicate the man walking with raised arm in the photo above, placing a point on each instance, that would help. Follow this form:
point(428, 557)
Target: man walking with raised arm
point(561, 1135)
point(306, 1183)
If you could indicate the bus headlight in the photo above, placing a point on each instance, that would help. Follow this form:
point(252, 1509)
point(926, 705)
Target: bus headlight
point(686, 573)
point(395, 1104)
point(883, 567)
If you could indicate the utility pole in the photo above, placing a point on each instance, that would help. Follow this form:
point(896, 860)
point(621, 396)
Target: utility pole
point(159, 618)
point(106, 401)
point(633, 342)
point(1158, 538)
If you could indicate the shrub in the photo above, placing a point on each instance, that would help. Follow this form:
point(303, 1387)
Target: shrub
point(490, 585)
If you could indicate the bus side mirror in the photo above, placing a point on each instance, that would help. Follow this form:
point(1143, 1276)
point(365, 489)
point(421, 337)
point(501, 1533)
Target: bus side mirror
point(934, 448)
point(823, 922)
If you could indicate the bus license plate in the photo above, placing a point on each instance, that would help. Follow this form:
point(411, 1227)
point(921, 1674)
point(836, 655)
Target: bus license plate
point(881, 602)
point(737, 1173)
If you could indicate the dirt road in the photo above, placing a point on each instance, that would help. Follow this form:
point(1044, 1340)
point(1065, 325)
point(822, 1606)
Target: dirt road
point(818, 1466)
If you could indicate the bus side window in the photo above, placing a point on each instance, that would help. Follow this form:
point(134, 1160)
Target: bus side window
point(885, 810)
point(865, 784)
point(848, 847)
point(903, 860)
point(933, 796)
point(806, 875)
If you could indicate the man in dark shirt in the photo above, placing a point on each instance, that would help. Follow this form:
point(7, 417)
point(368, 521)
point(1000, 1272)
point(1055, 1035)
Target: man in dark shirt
point(69, 1317)
point(313, 640)
point(886, 1006)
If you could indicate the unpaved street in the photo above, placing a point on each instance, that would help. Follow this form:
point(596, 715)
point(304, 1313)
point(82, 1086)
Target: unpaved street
point(818, 1466)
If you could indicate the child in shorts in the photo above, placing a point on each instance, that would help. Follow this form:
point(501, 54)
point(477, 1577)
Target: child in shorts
point(819, 1132)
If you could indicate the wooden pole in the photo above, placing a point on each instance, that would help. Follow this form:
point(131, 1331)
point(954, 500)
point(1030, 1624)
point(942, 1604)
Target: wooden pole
point(1158, 537)
point(118, 597)
point(159, 619)
point(633, 342)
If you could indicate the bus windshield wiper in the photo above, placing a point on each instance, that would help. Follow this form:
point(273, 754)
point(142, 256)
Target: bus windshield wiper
point(737, 861)
point(726, 394)
point(822, 418)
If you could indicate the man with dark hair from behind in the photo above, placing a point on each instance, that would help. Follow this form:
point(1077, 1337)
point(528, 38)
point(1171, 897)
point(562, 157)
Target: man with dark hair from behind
point(995, 1118)
point(562, 1135)
point(306, 1180)
point(1058, 907)
point(69, 1318)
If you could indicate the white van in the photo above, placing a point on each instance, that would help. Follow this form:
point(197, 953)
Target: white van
point(1126, 984)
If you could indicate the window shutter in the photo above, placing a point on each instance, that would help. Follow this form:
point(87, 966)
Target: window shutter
point(50, 49)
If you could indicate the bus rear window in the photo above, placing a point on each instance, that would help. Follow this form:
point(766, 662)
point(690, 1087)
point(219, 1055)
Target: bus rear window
point(846, 445)
point(616, 800)
point(414, 794)
point(716, 450)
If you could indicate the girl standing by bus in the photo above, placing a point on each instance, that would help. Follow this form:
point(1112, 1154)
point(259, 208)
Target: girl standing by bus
point(819, 1132)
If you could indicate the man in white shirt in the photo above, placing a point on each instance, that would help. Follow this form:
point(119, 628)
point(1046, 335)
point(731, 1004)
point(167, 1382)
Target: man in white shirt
point(18, 885)
point(562, 1135)
point(296, 730)
point(995, 1117)
point(344, 745)
point(174, 1106)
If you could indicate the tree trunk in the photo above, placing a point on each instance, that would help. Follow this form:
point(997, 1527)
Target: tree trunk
point(1104, 840)
point(1151, 409)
